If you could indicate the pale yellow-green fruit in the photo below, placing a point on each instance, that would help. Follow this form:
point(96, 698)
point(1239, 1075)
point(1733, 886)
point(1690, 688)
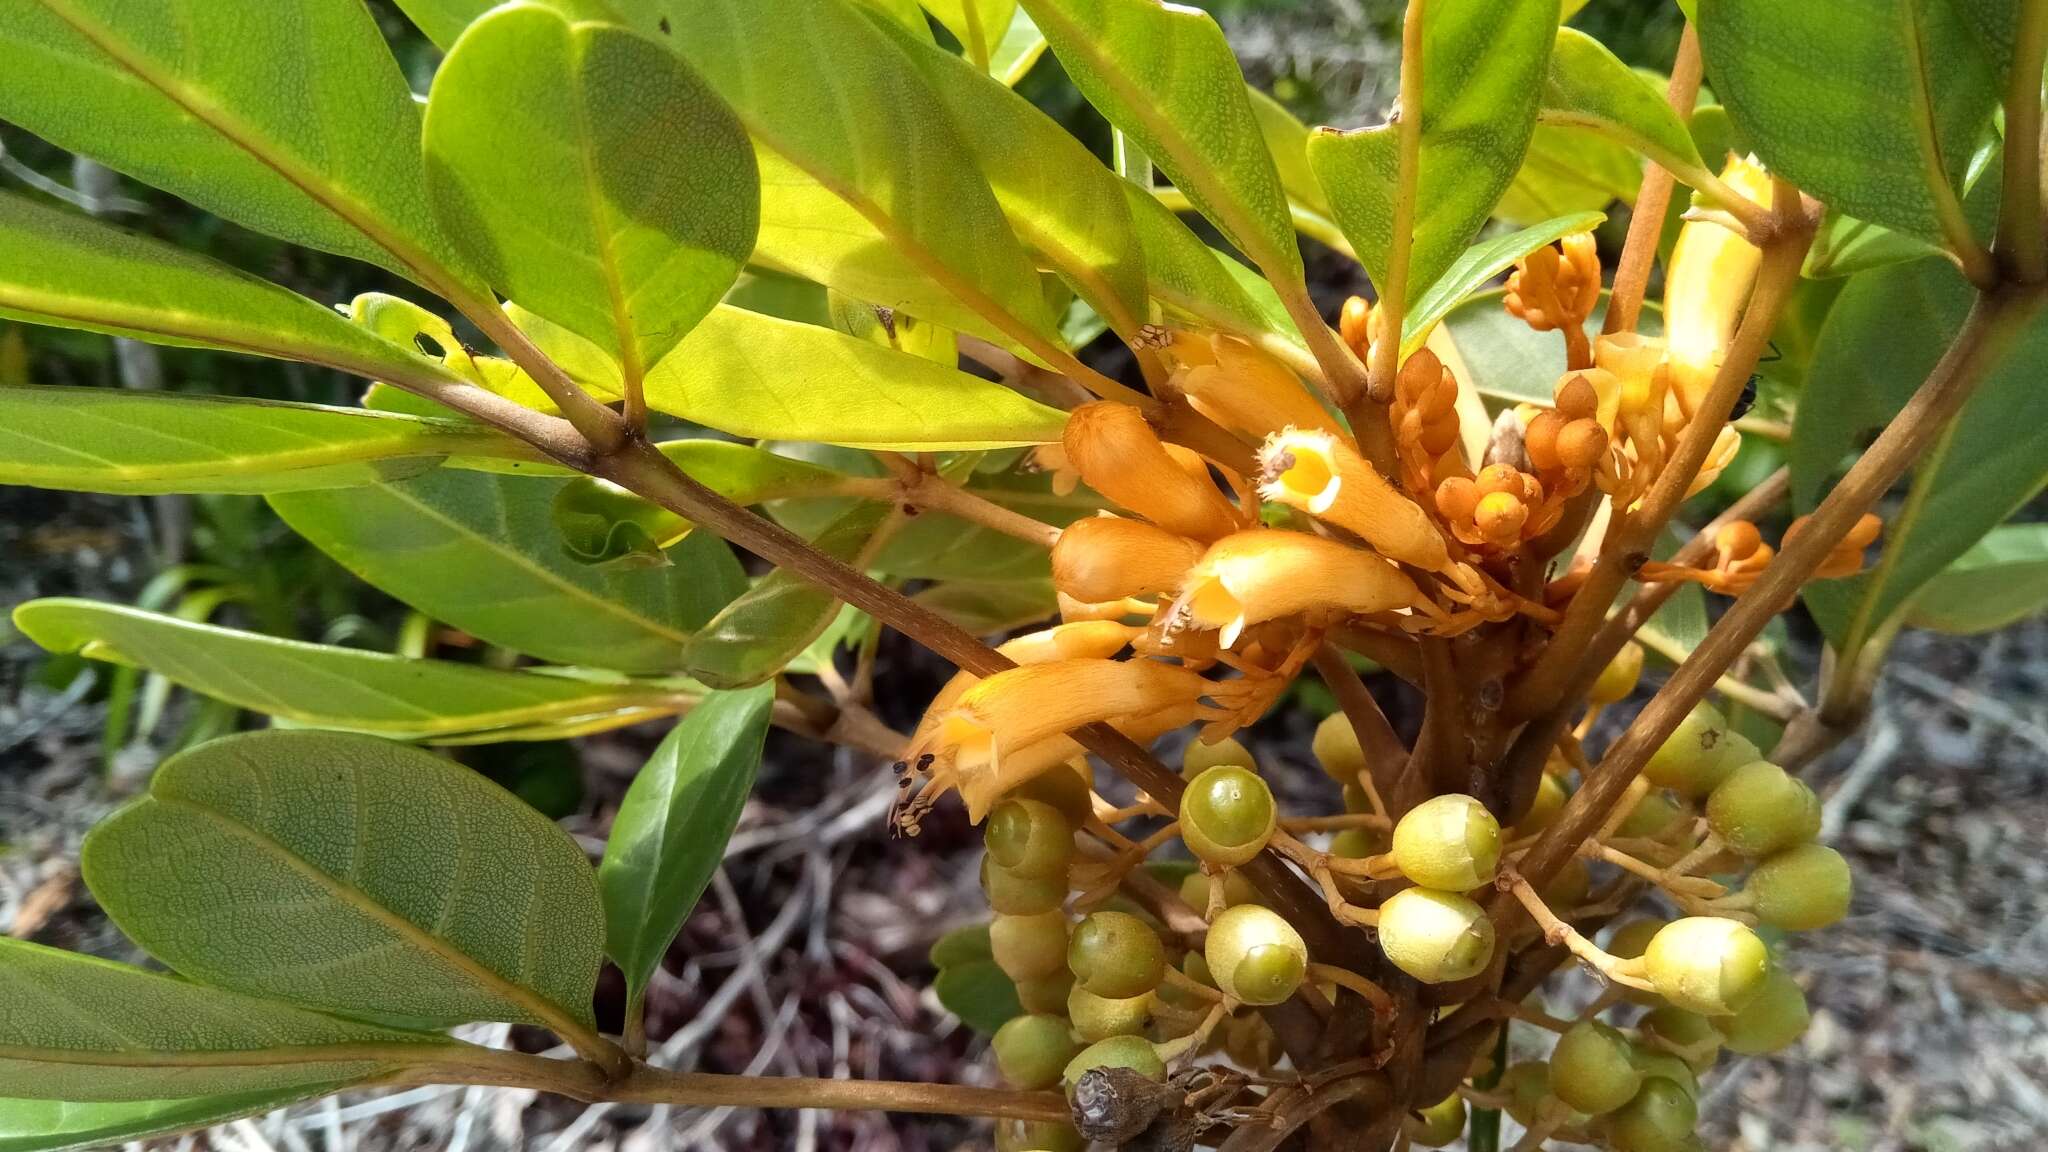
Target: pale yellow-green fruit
point(1227, 814)
point(1029, 947)
point(1527, 1086)
point(1099, 1017)
point(1775, 1019)
point(1439, 1124)
point(1117, 955)
point(1199, 757)
point(1032, 1051)
point(1707, 964)
point(1029, 838)
point(1046, 994)
point(1654, 816)
point(1659, 1119)
point(1697, 1035)
point(1450, 843)
point(1337, 749)
point(1619, 677)
point(1255, 955)
point(1015, 894)
point(1436, 937)
point(1591, 1068)
point(1550, 798)
point(1760, 809)
point(1133, 1052)
point(1801, 888)
point(1699, 753)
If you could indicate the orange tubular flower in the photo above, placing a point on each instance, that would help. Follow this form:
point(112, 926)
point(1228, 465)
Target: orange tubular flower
point(1242, 388)
point(1740, 556)
point(1712, 270)
point(1847, 557)
point(1267, 574)
point(1120, 456)
point(1008, 728)
point(1107, 558)
point(1314, 471)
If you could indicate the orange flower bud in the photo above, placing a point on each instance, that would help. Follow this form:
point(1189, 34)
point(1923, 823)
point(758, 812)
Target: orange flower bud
point(1846, 559)
point(1267, 574)
point(1737, 540)
point(1539, 439)
point(1499, 517)
point(1581, 444)
point(1576, 397)
point(1322, 475)
point(1053, 458)
point(1354, 324)
point(1109, 558)
point(1457, 498)
point(1249, 391)
point(1120, 456)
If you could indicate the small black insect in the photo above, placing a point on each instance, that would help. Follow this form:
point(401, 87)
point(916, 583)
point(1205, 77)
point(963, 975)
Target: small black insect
point(1747, 400)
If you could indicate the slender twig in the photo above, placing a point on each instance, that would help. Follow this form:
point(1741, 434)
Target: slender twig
point(1646, 218)
point(1385, 755)
point(2019, 221)
point(1392, 307)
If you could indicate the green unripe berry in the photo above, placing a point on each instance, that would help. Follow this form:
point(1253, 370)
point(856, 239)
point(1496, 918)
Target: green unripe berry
point(1657, 1064)
point(1069, 789)
point(1196, 969)
point(1250, 1041)
point(1777, 1017)
point(1439, 1124)
point(1117, 955)
point(1046, 995)
point(1655, 815)
point(1355, 799)
point(1570, 887)
point(1801, 889)
point(1038, 1136)
point(1255, 955)
point(1100, 1017)
point(1688, 1030)
point(1199, 757)
point(1337, 749)
point(1760, 809)
point(1436, 937)
point(1030, 838)
point(1619, 678)
point(1591, 1069)
point(1014, 894)
point(1659, 1119)
point(1133, 1052)
point(1227, 814)
point(1194, 891)
point(1358, 843)
point(1029, 947)
point(1543, 810)
point(1450, 843)
point(1032, 1051)
point(1527, 1086)
point(1633, 938)
point(1699, 754)
point(1707, 964)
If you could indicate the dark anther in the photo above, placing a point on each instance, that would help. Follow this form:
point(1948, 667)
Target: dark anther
point(924, 762)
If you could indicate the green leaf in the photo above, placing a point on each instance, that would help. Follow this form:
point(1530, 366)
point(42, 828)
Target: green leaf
point(1483, 63)
point(117, 440)
point(1059, 199)
point(539, 164)
point(1589, 87)
point(775, 620)
point(323, 686)
point(1287, 139)
point(2000, 581)
point(979, 994)
point(289, 117)
point(60, 1125)
point(963, 945)
point(670, 831)
point(1506, 360)
point(1884, 334)
point(760, 377)
point(79, 1028)
point(988, 607)
point(1479, 264)
point(979, 25)
point(1569, 170)
point(1019, 50)
point(815, 81)
point(1858, 104)
point(481, 552)
point(71, 271)
point(444, 20)
point(1165, 75)
point(353, 875)
point(1188, 276)
point(603, 523)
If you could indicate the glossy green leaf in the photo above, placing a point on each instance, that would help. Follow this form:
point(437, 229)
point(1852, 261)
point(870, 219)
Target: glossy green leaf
point(443, 20)
point(1845, 245)
point(1480, 264)
point(118, 440)
point(290, 117)
point(816, 82)
point(1858, 104)
point(774, 621)
point(979, 994)
point(2000, 581)
point(1884, 334)
point(1018, 51)
point(987, 608)
point(1589, 87)
point(79, 1028)
point(323, 686)
point(670, 832)
point(1506, 360)
point(1189, 277)
point(1568, 170)
point(1165, 75)
point(481, 552)
point(1059, 199)
point(60, 1125)
point(760, 377)
point(70, 271)
point(1287, 139)
point(539, 164)
point(1483, 63)
point(353, 875)
point(979, 26)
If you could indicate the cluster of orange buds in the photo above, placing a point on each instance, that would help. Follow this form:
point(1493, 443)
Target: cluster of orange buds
point(1356, 323)
point(1555, 288)
point(1740, 556)
point(1498, 509)
point(1566, 445)
point(1425, 417)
